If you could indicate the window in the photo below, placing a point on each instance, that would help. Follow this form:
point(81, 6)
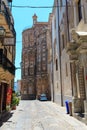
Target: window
point(66, 70)
point(63, 41)
point(31, 43)
point(26, 71)
point(44, 47)
point(5, 51)
point(55, 49)
point(79, 10)
point(44, 58)
point(31, 63)
point(56, 64)
point(31, 71)
point(44, 67)
point(55, 23)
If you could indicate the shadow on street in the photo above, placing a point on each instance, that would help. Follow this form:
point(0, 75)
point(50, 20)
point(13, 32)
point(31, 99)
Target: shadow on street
point(5, 118)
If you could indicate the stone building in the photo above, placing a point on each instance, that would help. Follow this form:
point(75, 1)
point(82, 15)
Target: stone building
point(17, 87)
point(7, 54)
point(50, 57)
point(60, 58)
point(69, 38)
point(77, 50)
point(34, 61)
point(56, 60)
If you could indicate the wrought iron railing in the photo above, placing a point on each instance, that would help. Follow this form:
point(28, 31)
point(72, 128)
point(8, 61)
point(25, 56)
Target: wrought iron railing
point(6, 63)
point(4, 10)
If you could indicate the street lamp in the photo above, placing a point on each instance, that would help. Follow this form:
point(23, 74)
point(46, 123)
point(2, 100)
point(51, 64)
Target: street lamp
point(2, 32)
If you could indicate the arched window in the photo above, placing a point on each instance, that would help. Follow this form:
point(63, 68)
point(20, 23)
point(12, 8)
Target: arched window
point(79, 10)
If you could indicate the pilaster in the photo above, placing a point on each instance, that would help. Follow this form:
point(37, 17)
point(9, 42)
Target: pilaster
point(77, 105)
point(73, 55)
point(77, 51)
point(83, 58)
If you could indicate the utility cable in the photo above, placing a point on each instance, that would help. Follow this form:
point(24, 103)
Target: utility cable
point(19, 6)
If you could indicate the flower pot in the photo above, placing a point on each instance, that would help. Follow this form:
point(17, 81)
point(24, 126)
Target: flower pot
point(13, 108)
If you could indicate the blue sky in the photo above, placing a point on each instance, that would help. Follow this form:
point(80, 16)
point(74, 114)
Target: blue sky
point(23, 19)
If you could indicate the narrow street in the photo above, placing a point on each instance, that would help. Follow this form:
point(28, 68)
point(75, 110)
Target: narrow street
point(36, 115)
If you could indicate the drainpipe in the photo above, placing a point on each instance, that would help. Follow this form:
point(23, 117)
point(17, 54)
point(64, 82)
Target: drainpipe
point(52, 69)
point(67, 20)
point(60, 55)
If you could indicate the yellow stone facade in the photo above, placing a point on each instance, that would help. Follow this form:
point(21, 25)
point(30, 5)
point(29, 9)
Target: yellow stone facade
point(7, 52)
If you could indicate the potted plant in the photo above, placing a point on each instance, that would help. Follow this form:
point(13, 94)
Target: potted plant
point(14, 101)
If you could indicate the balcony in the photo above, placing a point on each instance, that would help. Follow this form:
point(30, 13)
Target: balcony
point(81, 29)
point(6, 20)
point(6, 66)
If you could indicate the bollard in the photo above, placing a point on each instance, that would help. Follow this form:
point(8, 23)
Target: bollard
point(67, 107)
point(70, 108)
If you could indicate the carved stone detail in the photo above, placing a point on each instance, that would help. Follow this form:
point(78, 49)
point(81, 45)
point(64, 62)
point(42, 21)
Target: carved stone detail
point(77, 105)
point(74, 35)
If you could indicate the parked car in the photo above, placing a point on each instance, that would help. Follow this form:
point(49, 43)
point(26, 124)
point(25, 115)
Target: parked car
point(43, 97)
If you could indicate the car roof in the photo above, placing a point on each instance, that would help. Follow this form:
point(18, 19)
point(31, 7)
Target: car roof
point(43, 94)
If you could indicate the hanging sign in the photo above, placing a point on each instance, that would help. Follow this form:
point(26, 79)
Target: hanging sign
point(10, 41)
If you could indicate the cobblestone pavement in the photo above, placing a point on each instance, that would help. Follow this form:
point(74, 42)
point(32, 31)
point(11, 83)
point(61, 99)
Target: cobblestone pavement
point(36, 115)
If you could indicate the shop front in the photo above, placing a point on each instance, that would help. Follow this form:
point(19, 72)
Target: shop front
point(3, 95)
